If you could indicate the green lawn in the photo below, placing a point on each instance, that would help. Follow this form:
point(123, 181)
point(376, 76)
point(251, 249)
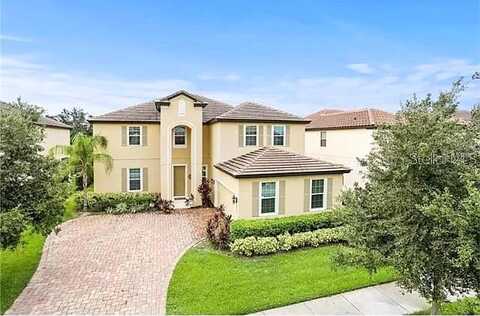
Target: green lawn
point(17, 267)
point(208, 281)
point(465, 306)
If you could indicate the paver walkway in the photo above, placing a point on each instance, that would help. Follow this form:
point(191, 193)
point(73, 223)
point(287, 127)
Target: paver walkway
point(105, 264)
point(385, 299)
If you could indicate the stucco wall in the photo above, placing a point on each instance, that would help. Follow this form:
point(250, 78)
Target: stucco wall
point(225, 140)
point(343, 146)
point(127, 157)
point(55, 136)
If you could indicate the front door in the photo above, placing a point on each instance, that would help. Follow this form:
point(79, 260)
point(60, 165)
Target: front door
point(179, 181)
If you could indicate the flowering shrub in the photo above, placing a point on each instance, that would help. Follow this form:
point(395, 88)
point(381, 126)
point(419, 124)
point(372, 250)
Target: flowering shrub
point(256, 246)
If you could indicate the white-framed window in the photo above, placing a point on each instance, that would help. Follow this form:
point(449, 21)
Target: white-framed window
point(134, 135)
point(182, 105)
point(323, 139)
point(204, 172)
point(180, 136)
point(268, 198)
point(251, 135)
point(317, 194)
point(278, 135)
point(135, 177)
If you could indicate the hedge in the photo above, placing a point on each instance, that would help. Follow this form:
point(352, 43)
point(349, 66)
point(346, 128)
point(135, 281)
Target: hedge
point(257, 246)
point(101, 202)
point(276, 226)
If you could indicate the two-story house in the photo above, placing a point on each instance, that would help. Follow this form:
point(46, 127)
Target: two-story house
point(55, 134)
point(344, 137)
point(255, 154)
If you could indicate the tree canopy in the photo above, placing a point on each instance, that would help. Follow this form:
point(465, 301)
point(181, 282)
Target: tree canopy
point(77, 118)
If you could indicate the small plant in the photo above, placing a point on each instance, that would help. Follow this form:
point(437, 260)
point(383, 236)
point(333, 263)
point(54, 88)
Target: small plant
point(218, 228)
point(163, 205)
point(189, 200)
point(206, 191)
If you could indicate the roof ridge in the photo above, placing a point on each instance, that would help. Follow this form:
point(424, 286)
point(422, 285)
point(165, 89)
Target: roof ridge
point(271, 107)
point(261, 152)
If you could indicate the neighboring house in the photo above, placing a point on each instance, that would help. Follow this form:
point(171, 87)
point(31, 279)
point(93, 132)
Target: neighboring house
point(344, 136)
point(56, 133)
point(254, 153)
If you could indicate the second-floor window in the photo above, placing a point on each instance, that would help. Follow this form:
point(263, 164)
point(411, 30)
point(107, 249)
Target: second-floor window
point(323, 139)
point(279, 135)
point(180, 136)
point(250, 135)
point(134, 135)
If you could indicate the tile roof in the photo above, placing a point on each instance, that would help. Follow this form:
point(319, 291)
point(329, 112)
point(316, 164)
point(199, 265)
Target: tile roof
point(349, 119)
point(257, 112)
point(463, 116)
point(50, 122)
point(147, 112)
point(270, 161)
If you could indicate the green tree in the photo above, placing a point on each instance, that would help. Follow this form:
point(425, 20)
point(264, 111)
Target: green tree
point(415, 212)
point(31, 190)
point(77, 118)
point(84, 151)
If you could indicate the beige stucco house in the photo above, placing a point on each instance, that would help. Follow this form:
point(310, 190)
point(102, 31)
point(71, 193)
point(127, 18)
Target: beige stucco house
point(255, 154)
point(55, 133)
point(343, 137)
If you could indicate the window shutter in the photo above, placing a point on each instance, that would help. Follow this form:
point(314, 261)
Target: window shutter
point(255, 201)
point(287, 135)
point(145, 179)
point(124, 136)
point(281, 204)
point(306, 200)
point(260, 136)
point(240, 136)
point(144, 136)
point(269, 135)
point(329, 193)
point(124, 179)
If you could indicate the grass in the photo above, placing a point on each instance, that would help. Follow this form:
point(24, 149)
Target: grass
point(465, 306)
point(207, 281)
point(17, 267)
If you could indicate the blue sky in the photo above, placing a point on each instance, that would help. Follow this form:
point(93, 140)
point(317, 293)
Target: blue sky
point(300, 56)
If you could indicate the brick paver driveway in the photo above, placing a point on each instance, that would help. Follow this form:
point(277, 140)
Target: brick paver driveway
point(106, 264)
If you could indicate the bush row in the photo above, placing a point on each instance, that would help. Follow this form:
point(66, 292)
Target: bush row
point(257, 246)
point(103, 202)
point(276, 226)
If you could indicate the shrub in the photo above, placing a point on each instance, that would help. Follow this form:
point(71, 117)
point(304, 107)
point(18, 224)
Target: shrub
point(206, 189)
point(255, 246)
point(218, 228)
point(163, 205)
point(276, 226)
point(100, 202)
point(12, 224)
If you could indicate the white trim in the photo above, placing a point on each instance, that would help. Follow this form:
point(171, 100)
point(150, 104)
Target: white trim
point(206, 171)
point(186, 137)
point(141, 180)
point(325, 190)
point(173, 180)
point(260, 198)
point(245, 135)
point(284, 134)
point(141, 135)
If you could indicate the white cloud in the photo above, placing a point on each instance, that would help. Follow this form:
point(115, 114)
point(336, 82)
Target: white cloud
point(39, 84)
point(12, 38)
point(364, 69)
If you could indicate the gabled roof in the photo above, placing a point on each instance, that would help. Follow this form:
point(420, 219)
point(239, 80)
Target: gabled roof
point(250, 111)
point(270, 161)
point(365, 118)
point(50, 122)
point(213, 111)
point(147, 112)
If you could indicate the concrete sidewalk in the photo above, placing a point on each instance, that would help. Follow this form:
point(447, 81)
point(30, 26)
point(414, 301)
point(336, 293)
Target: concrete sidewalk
point(385, 299)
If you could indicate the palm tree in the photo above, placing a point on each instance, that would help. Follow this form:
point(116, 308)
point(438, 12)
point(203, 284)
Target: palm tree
point(84, 151)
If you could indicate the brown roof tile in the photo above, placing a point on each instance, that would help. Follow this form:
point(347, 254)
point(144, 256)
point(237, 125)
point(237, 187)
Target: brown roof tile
point(257, 112)
point(50, 122)
point(349, 119)
point(270, 161)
